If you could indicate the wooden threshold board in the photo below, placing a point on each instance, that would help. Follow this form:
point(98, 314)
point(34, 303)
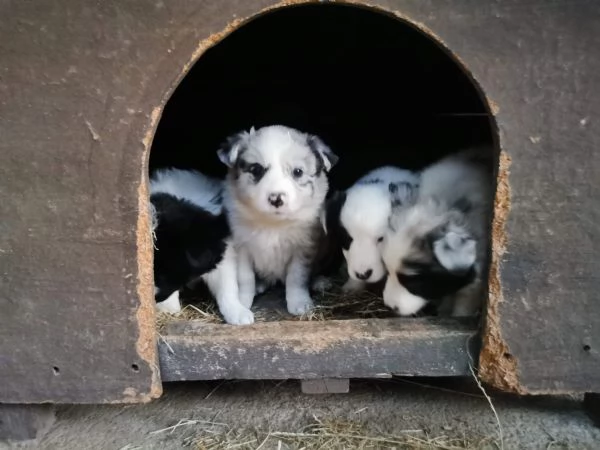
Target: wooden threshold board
point(363, 348)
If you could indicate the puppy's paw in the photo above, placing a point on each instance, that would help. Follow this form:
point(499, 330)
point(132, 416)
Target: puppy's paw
point(353, 286)
point(246, 300)
point(299, 303)
point(238, 315)
point(402, 302)
point(171, 305)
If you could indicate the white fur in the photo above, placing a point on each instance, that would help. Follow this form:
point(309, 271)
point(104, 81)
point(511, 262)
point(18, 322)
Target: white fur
point(365, 215)
point(171, 305)
point(223, 285)
point(222, 282)
point(278, 244)
point(189, 185)
point(396, 297)
point(456, 251)
point(464, 243)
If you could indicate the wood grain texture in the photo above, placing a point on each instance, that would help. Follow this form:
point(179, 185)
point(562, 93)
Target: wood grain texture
point(368, 348)
point(79, 84)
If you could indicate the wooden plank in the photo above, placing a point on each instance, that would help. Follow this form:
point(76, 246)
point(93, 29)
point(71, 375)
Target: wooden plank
point(77, 320)
point(25, 422)
point(370, 348)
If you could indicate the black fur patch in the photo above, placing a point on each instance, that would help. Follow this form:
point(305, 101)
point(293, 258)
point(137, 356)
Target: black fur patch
point(190, 242)
point(345, 238)
point(463, 205)
point(255, 170)
point(320, 150)
point(394, 188)
point(334, 225)
point(320, 165)
point(435, 282)
point(238, 140)
point(429, 279)
point(329, 258)
point(372, 181)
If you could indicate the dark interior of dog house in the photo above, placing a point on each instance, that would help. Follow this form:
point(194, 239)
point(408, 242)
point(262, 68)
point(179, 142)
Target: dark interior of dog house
point(376, 89)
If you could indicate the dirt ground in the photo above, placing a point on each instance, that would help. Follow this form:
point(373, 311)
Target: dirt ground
point(433, 413)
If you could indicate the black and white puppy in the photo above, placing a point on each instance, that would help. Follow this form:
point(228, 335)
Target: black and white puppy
point(360, 217)
point(274, 192)
point(193, 240)
point(435, 251)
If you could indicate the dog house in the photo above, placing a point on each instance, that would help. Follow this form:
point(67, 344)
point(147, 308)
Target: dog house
point(91, 96)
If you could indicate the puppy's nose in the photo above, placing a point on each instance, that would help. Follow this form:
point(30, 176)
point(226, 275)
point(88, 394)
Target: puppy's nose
point(276, 199)
point(365, 275)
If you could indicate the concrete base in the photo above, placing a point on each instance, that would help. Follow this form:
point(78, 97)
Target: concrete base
point(25, 422)
point(431, 408)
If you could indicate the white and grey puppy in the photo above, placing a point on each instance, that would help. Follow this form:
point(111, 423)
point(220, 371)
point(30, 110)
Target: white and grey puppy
point(437, 249)
point(275, 189)
point(193, 242)
point(360, 217)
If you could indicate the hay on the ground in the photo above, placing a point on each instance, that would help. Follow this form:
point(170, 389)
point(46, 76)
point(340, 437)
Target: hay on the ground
point(329, 305)
point(330, 434)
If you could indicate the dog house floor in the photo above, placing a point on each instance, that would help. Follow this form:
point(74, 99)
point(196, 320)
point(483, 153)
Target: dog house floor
point(347, 336)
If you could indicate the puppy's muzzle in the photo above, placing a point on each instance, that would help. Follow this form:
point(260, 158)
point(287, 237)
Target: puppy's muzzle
point(365, 275)
point(277, 199)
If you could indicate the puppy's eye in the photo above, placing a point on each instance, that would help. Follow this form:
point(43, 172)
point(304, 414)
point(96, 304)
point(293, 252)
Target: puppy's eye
point(297, 172)
point(380, 239)
point(256, 170)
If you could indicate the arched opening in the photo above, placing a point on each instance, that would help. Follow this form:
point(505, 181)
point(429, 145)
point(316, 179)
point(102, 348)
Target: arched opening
point(375, 88)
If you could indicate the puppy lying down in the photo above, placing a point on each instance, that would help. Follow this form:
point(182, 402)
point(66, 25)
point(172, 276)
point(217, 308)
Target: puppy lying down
point(436, 250)
point(358, 219)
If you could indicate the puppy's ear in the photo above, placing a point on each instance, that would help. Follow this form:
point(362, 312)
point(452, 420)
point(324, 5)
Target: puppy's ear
point(234, 147)
point(322, 152)
point(330, 213)
point(402, 194)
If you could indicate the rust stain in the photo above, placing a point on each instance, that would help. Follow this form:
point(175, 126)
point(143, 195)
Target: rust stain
point(497, 366)
point(146, 345)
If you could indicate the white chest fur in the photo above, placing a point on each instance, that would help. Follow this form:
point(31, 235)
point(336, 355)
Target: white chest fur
point(271, 249)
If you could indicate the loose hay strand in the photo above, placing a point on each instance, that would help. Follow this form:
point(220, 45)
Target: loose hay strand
point(331, 304)
point(328, 434)
point(489, 400)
